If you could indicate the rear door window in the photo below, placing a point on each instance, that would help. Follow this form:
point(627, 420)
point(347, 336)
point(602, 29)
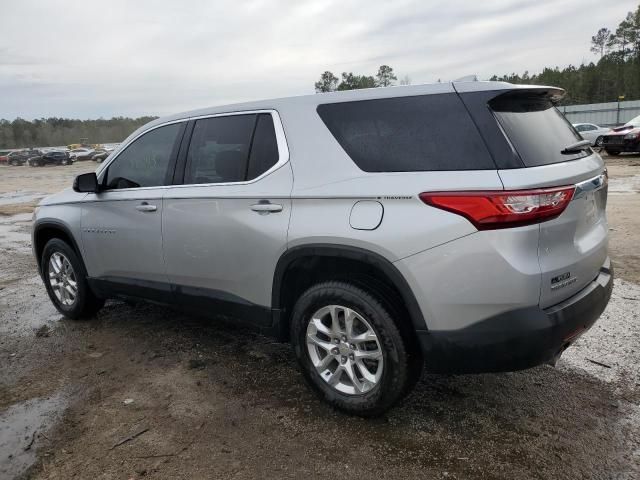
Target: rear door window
point(405, 134)
point(537, 130)
point(232, 148)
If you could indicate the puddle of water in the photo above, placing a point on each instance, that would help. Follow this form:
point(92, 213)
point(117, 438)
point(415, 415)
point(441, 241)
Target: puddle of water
point(624, 185)
point(13, 232)
point(21, 429)
point(20, 197)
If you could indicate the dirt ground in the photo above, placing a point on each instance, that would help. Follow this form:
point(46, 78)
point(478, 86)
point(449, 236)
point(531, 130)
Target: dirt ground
point(143, 391)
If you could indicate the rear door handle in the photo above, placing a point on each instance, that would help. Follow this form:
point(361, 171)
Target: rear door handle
point(266, 207)
point(145, 207)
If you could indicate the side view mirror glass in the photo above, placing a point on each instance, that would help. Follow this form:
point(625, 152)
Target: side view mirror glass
point(86, 183)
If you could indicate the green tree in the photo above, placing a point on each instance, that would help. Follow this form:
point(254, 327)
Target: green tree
point(328, 82)
point(356, 82)
point(385, 76)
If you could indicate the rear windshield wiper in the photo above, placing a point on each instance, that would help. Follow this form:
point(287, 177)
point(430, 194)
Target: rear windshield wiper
point(576, 147)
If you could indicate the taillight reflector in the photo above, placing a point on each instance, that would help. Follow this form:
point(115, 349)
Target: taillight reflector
point(489, 210)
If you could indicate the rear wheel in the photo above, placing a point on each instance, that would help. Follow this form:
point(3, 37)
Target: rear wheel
point(66, 281)
point(350, 349)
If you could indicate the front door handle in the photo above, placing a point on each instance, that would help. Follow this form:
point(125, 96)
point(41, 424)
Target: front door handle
point(145, 207)
point(266, 207)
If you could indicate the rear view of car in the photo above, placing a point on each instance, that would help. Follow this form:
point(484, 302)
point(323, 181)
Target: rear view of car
point(513, 265)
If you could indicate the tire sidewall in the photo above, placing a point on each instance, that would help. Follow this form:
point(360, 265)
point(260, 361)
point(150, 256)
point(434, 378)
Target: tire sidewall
point(391, 384)
point(76, 310)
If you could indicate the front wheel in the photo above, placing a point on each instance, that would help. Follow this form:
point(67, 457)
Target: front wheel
point(599, 142)
point(350, 349)
point(613, 153)
point(66, 281)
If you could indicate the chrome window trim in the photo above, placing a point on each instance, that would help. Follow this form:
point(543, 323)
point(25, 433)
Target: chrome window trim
point(283, 150)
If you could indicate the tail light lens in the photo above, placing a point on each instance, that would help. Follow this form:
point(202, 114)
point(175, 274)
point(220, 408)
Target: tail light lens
point(503, 209)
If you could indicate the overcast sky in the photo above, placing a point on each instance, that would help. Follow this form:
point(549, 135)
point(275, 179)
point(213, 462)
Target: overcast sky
point(91, 59)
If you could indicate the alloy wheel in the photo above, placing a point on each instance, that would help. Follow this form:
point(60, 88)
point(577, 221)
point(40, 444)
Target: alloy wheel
point(344, 349)
point(62, 279)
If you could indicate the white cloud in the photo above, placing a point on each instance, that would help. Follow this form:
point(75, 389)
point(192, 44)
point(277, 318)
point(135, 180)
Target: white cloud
point(92, 59)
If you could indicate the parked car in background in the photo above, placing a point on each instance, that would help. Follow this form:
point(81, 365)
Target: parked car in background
point(623, 139)
point(592, 132)
point(51, 158)
point(81, 153)
point(4, 155)
point(20, 157)
point(100, 155)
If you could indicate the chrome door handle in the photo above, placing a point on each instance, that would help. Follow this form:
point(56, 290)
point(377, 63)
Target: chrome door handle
point(145, 207)
point(266, 207)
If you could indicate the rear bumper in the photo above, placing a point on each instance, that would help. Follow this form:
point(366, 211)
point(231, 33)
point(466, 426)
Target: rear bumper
point(517, 339)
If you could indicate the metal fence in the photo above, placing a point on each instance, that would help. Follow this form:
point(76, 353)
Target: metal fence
point(609, 114)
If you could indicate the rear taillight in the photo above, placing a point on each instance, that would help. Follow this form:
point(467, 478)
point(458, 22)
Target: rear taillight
point(503, 209)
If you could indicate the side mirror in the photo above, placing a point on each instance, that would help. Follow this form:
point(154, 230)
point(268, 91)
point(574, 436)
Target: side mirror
point(86, 183)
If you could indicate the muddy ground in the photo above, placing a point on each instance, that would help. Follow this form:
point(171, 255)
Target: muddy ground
point(143, 391)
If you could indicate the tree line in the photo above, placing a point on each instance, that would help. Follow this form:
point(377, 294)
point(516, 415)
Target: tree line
point(43, 132)
point(615, 74)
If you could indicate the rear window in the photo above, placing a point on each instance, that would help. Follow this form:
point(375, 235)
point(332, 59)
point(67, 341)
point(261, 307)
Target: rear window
point(405, 134)
point(537, 130)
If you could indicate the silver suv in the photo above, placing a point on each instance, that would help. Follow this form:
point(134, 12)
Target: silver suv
point(458, 227)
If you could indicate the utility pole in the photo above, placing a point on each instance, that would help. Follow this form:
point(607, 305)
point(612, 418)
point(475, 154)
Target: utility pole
point(620, 98)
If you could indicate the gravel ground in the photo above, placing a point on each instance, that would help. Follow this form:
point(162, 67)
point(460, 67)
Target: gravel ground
point(145, 391)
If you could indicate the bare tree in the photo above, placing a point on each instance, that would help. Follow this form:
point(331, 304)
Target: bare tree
point(600, 41)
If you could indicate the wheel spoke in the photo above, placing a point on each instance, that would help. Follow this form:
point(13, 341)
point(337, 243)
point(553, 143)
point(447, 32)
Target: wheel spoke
point(321, 327)
point(368, 354)
point(351, 373)
point(367, 336)
point(349, 317)
point(335, 322)
point(324, 363)
point(335, 376)
point(319, 343)
point(365, 372)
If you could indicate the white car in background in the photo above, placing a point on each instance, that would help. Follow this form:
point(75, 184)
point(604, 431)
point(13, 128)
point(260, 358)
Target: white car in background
point(82, 153)
point(592, 132)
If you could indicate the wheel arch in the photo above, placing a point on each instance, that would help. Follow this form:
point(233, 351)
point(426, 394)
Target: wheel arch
point(283, 277)
point(44, 231)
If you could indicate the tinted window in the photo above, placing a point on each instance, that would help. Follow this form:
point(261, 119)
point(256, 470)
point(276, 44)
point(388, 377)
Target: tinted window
point(421, 133)
point(145, 162)
point(537, 130)
point(264, 149)
point(219, 149)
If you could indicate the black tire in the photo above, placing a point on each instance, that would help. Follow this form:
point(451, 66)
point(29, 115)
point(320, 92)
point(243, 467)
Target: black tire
point(613, 153)
point(86, 304)
point(14, 163)
point(397, 373)
point(599, 141)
